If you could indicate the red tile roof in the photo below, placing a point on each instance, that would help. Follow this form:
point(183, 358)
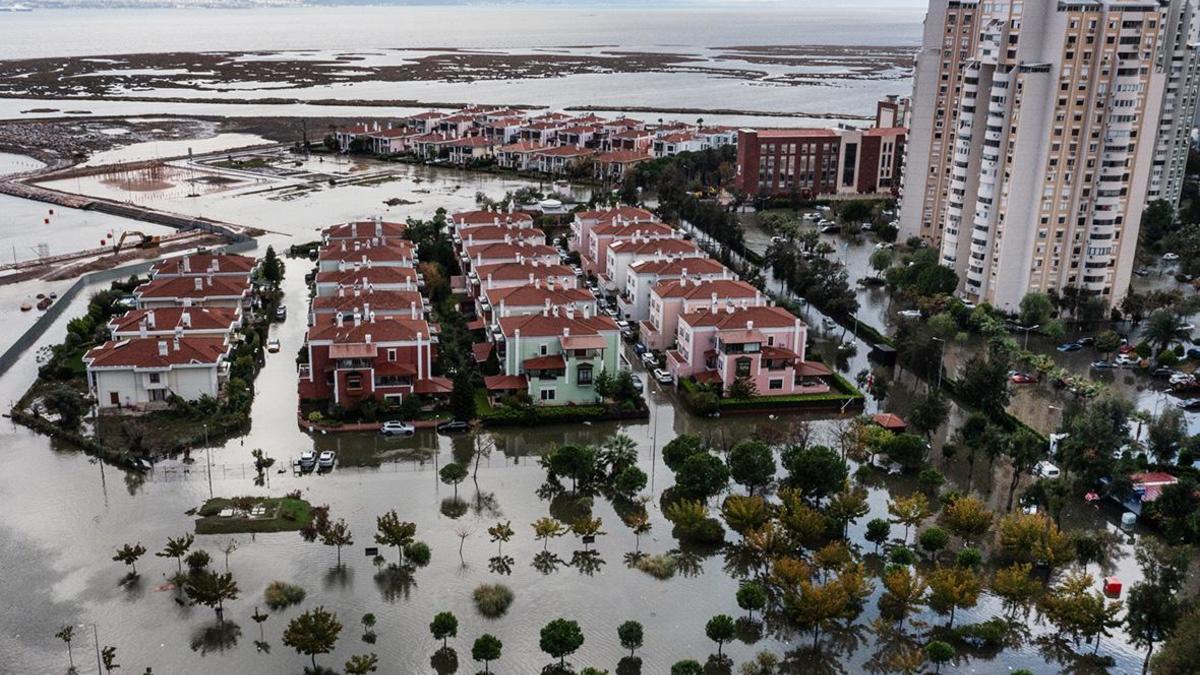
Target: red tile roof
point(364, 229)
point(537, 325)
point(629, 213)
point(566, 151)
point(627, 229)
point(523, 147)
point(185, 287)
point(373, 275)
point(383, 331)
point(433, 386)
point(535, 296)
point(724, 288)
point(509, 271)
point(198, 264)
point(507, 250)
point(380, 301)
point(662, 246)
point(624, 157)
point(889, 421)
point(154, 352)
point(392, 251)
point(505, 382)
point(467, 218)
point(678, 266)
point(763, 317)
point(482, 351)
point(551, 362)
point(499, 232)
point(206, 319)
point(886, 131)
point(796, 133)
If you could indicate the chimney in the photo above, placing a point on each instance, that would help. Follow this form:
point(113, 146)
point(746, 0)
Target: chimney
point(187, 264)
point(571, 312)
point(162, 348)
point(142, 328)
point(367, 308)
point(353, 233)
point(412, 308)
point(339, 319)
point(199, 284)
point(216, 264)
point(566, 331)
point(357, 318)
point(749, 325)
point(368, 338)
point(210, 277)
point(150, 319)
point(186, 319)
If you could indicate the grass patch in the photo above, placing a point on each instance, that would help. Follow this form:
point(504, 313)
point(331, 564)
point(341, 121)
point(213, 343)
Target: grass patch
point(252, 163)
point(286, 514)
point(660, 566)
point(558, 414)
point(492, 600)
point(280, 594)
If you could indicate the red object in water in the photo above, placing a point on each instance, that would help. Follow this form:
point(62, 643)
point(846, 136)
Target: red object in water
point(1112, 587)
point(1091, 497)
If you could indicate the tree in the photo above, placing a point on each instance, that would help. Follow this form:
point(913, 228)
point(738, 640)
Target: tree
point(338, 534)
point(443, 627)
point(701, 476)
point(816, 470)
point(318, 521)
point(953, 588)
point(1162, 328)
point(720, 629)
point(1015, 586)
point(742, 513)
point(177, 548)
point(1035, 309)
point(1165, 434)
point(313, 632)
point(453, 474)
point(639, 523)
point(933, 540)
point(679, 449)
point(940, 652)
point(560, 638)
point(1024, 451)
point(394, 532)
point(1153, 607)
point(487, 648)
point(361, 664)
point(908, 450)
point(847, 506)
point(909, 511)
point(929, 413)
point(631, 636)
point(904, 591)
point(577, 462)
point(878, 530)
point(211, 590)
point(687, 667)
point(967, 517)
point(742, 388)
point(880, 260)
point(1180, 653)
point(630, 481)
point(1107, 342)
point(65, 402)
point(129, 554)
point(751, 596)
point(751, 464)
point(545, 529)
point(66, 634)
point(1078, 611)
point(272, 268)
point(587, 527)
point(462, 396)
point(1033, 538)
point(985, 383)
point(500, 534)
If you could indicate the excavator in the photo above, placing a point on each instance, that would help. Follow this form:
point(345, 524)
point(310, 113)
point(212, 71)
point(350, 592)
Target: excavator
point(144, 241)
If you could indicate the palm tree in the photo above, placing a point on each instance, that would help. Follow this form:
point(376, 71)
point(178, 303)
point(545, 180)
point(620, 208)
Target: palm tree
point(177, 549)
point(1163, 328)
point(66, 634)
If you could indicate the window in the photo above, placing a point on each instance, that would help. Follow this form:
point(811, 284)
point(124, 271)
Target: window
point(391, 356)
point(354, 381)
point(742, 368)
point(585, 374)
point(547, 394)
point(542, 349)
point(775, 385)
point(155, 378)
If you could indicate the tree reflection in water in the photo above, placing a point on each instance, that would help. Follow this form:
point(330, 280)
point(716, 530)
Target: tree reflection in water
point(501, 564)
point(587, 562)
point(454, 507)
point(339, 577)
point(546, 562)
point(444, 661)
point(216, 637)
point(395, 582)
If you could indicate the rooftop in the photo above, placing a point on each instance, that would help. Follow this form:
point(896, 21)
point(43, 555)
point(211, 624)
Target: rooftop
point(152, 352)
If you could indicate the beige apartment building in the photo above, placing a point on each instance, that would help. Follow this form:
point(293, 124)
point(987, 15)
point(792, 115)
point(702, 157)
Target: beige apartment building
point(1032, 142)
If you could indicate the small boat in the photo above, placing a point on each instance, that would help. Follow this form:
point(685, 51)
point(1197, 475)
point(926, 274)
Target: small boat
point(41, 296)
point(44, 303)
point(53, 295)
point(25, 306)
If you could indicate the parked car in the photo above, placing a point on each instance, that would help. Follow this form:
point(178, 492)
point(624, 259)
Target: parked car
point(1193, 353)
point(1070, 347)
point(639, 349)
point(325, 461)
point(1165, 371)
point(1022, 378)
point(1045, 469)
point(1142, 271)
point(831, 229)
point(394, 428)
point(1180, 378)
point(1102, 365)
point(452, 426)
point(1127, 360)
point(663, 377)
point(308, 460)
point(649, 360)
point(1086, 340)
point(638, 384)
point(1170, 257)
point(909, 313)
point(273, 346)
point(1190, 405)
point(280, 313)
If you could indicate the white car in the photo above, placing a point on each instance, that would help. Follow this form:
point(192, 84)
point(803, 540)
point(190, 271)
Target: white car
point(308, 459)
point(1126, 360)
point(273, 346)
point(909, 313)
point(325, 460)
point(1182, 378)
point(663, 376)
point(1045, 469)
point(649, 360)
point(397, 429)
point(1170, 256)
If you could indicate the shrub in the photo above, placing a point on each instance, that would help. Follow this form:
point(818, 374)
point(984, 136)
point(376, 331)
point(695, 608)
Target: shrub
point(492, 600)
point(417, 553)
point(902, 555)
point(658, 566)
point(280, 594)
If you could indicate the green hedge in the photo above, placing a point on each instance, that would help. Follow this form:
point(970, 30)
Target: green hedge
point(559, 414)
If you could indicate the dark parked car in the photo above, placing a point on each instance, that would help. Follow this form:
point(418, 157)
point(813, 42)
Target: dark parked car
point(452, 426)
point(1070, 347)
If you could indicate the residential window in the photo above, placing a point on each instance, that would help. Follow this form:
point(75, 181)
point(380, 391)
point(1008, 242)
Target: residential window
point(354, 381)
point(542, 349)
point(547, 394)
point(155, 378)
point(391, 355)
point(585, 374)
point(743, 367)
point(775, 385)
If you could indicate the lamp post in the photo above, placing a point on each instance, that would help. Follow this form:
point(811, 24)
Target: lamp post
point(208, 461)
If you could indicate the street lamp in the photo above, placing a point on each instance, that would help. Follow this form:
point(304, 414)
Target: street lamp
point(208, 460)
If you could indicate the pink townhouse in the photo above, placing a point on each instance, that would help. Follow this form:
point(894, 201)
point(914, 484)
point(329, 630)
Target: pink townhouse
point(643, 276)
point(670, 299)
point(378, 228)
point(622, 254)
point(341, 254)
point(475, 235)
point(479, 255)
point(530, 273)
point(587, 221)
point(465, 219)
point(763, 345)
point(367, 279)
point(496, 303)
point(594, 258)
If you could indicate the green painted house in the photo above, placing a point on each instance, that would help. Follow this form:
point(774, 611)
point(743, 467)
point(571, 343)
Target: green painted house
point(559, 354)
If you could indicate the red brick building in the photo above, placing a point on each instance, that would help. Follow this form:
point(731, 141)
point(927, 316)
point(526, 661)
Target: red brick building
point(815, 162)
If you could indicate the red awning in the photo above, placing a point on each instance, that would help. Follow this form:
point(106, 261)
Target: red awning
point(708, 377)
point(482, 351)
point(818, 369)
point(551, 362)
point(434, 386)
point(476, 324)
point(505, 382)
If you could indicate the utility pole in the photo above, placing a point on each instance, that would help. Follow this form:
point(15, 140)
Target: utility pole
point(208, 461)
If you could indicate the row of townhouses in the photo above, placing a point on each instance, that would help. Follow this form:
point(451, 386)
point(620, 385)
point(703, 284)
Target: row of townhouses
point(549, 142)
point(178, 338)
point(552, 334)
